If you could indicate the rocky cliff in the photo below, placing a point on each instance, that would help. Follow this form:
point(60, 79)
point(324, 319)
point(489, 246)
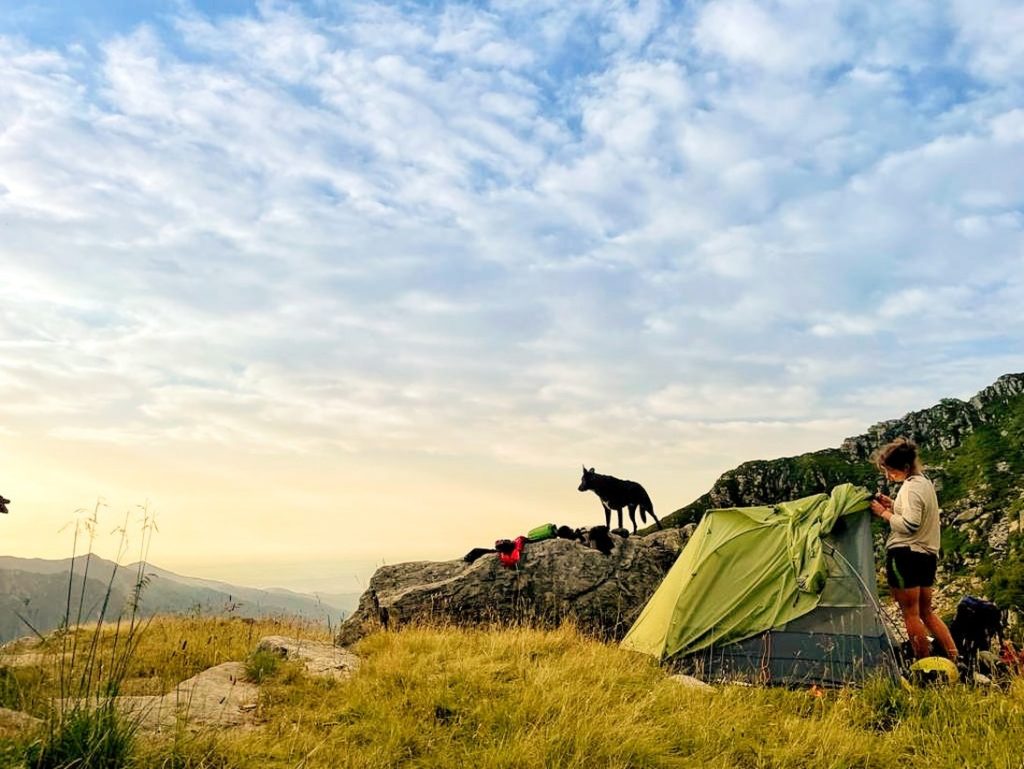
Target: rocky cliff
point(973, 450)
point(556, 579)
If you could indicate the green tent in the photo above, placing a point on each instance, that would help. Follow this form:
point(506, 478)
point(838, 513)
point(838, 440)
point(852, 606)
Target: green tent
point(782, 594)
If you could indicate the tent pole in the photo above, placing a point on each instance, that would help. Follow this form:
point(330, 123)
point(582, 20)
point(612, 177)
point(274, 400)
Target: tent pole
point(872, 599)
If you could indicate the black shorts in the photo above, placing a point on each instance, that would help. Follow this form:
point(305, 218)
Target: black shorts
point(908, 568)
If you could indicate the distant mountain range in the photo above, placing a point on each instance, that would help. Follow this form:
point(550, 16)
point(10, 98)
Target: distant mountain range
point(34, 595)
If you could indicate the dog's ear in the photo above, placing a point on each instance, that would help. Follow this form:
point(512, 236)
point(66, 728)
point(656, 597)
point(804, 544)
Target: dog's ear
point(591, 470)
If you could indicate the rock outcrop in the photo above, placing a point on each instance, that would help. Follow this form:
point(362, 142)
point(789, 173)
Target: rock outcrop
point(944, 426)
point(974, 452)
point(555, 579)
point(319, 658)
point(220, 696)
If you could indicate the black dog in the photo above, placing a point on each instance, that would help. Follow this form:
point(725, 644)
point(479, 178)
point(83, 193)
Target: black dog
point(3, 504)
point(616, 494)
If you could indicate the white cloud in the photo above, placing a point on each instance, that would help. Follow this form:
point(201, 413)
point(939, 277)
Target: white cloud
point(735, 403)
point(786, 38)
point(518, 232)
point(991, 34)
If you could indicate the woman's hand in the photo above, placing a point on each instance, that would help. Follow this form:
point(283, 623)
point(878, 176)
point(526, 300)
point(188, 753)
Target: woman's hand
point(885, 501)
point(879, 508)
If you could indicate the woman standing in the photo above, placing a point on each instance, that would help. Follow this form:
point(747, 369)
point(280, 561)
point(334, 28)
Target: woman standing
point(912, 548)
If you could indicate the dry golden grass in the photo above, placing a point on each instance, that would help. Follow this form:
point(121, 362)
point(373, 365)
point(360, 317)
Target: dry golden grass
point(515, 697)
point(168, 651)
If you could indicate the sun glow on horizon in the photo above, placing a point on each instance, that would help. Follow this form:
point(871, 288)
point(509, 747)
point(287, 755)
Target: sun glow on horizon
point(370, 282)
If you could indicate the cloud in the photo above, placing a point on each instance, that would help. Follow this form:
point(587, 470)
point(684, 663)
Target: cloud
point(783, 38)
point(516, 232)
point(991, 36)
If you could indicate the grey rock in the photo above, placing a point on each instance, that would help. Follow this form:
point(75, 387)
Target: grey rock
point(217, 697)
point(691, 683)
point(943, 426)
point(1002, 390)
point(318, 657)
point(999, 536)
point(968, 515)
point(555, 579)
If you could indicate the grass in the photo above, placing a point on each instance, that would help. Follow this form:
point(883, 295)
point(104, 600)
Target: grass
point(168, 651)
point(82, 668)
point(261, 665)
point(87, 737)
point(530, 698)
point(448, 697)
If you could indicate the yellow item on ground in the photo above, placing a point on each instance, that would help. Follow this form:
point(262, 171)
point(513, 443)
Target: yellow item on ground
point(934, 670)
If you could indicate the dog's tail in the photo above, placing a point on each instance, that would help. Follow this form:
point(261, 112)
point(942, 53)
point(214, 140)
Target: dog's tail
point(646, 506)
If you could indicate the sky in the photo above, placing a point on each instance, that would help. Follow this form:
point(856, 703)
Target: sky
point(328, 285)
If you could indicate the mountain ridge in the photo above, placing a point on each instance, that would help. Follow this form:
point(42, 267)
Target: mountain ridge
point(972, 449)
point(34, 594)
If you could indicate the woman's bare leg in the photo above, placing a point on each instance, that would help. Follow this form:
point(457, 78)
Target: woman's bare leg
point(935, 624)
point(909, 600)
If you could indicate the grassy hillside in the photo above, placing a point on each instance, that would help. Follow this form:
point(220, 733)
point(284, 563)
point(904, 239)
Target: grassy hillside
point(442, 697)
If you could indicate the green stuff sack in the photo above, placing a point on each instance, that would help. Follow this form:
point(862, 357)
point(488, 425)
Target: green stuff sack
point(547, 531)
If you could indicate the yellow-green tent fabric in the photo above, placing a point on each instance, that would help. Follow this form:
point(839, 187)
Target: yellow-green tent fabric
point(796, 575)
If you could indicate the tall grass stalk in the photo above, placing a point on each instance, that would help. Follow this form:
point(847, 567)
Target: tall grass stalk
point(85, 728)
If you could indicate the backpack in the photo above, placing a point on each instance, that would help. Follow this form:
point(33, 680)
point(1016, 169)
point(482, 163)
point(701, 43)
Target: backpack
point(976, 624)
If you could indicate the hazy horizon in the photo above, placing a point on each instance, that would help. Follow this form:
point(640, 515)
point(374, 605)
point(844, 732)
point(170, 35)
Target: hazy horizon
point(328, 286)
point(302, 577)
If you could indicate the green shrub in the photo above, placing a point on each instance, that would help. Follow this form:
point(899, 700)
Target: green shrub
point(86, 738)
point(261, 665)
point(1006, 585)
point(10, 689)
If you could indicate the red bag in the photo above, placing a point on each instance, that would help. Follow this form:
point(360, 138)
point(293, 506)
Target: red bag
point(512, 558)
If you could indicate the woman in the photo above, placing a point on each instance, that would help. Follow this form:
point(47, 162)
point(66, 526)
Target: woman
point(912, 548)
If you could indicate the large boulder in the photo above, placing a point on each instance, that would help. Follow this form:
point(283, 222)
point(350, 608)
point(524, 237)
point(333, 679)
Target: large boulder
point(555, 579)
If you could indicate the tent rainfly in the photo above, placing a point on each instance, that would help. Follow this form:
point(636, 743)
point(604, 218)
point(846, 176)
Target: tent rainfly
point(780, 594)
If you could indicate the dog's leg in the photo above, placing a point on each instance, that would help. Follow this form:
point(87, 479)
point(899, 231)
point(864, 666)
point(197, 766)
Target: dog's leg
point(608, 515)
point(619, 511)
point(632, 516)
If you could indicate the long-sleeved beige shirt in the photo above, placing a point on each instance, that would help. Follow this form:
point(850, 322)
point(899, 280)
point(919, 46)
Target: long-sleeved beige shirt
point(915, 517)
